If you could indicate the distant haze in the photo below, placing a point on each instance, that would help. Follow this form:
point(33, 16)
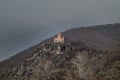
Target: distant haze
point(24, 23)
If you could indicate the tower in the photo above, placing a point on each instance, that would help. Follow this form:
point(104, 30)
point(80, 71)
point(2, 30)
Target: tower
point(59, 38)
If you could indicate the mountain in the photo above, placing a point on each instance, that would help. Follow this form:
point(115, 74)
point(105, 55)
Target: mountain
point(88, 53)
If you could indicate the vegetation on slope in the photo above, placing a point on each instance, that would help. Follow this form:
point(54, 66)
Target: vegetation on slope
point(91, 53)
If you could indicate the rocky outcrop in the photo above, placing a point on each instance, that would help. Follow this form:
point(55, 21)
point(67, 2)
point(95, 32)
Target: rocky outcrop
point(68, 61)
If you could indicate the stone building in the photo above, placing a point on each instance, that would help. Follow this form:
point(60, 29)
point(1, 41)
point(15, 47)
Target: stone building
point(59, 38)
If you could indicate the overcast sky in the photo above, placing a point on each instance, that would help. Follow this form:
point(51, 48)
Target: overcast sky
point(24, 23)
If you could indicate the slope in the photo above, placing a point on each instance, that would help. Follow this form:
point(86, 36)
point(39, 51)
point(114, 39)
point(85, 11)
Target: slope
point(91, 53)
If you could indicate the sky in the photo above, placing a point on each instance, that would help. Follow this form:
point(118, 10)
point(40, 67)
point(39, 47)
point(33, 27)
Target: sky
point(24, 23)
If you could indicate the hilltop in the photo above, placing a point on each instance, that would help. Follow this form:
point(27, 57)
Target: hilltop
point(88, 53)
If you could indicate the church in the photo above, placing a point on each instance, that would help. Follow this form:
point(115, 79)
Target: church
point(59, 38)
